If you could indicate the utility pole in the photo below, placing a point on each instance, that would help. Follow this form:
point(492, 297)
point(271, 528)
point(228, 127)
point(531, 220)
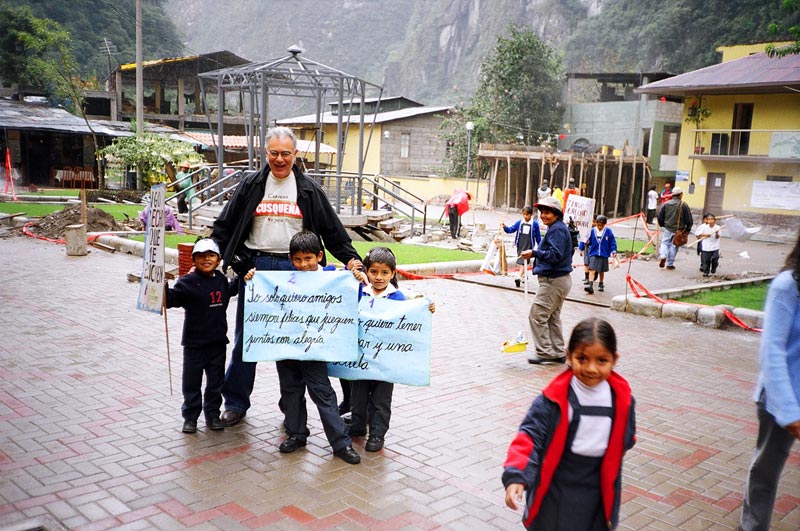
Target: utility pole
point(107, 47)
point(139, 85)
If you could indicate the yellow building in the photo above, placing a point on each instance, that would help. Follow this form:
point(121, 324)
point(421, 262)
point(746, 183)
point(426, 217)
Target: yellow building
point(401, 142)
point(740, 141)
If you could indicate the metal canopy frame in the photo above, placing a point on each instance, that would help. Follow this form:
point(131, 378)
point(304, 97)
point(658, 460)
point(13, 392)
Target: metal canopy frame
point(293, 76)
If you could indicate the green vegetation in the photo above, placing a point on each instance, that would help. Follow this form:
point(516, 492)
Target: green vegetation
point(752, 297)
point(96, 27)
point(627, 246)
point(40, 210)
point(789, 6)
point(151, 153)
point(517, 99)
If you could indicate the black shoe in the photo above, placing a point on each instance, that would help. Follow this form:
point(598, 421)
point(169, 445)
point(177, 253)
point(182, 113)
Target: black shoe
point(374, 443)
point(542, 361)
point(347, 418)
point(356, 433)
point(516, 282)
point(348, 455)
point(670, 267)
point(601, 287)
point(291, 444)
point(344, 408)
point(231, 418)
point(589, 288)
point(662, 262)
point(189, 426)
point(215, 424)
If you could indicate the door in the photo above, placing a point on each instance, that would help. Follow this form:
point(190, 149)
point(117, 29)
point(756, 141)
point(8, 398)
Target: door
point(742, 119)
point(715, 191)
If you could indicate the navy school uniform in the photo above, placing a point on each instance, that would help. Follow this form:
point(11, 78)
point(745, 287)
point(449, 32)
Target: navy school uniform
point(205, 337)
point(557, 481)
point(371, 400)
point(294, 377)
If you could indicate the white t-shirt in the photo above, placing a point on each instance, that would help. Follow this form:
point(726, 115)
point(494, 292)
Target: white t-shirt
point(591, 437)
point(277, 217)
point(652, 200)
point(712, 242)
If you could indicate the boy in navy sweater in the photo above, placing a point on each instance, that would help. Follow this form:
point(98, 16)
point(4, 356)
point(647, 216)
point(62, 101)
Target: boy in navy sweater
point(204, 293)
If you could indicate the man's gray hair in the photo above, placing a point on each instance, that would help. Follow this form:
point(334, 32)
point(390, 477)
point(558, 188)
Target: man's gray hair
point(282, 132)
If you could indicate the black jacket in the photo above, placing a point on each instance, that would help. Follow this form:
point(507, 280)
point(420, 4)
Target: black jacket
point(205, 300)
point(232, 227)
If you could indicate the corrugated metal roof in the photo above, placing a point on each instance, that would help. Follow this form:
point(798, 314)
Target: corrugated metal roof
point(223, 57)
point(754, 74)
point(390, 116)
point(43, 117)
point(240, 142)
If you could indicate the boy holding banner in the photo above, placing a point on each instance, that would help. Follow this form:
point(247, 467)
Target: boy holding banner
point(371, 400)
point(295, 376)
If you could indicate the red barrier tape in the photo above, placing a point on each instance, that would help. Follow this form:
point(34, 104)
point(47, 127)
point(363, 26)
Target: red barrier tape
point(634, 284)
point(27, 232)
point(413, 276)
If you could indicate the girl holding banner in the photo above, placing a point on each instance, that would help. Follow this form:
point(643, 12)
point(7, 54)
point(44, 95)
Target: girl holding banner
point(371, 400)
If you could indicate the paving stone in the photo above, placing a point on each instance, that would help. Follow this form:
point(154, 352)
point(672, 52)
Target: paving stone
point(115, 456)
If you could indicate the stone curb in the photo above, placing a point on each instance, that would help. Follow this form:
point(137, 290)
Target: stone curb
point(710, 316)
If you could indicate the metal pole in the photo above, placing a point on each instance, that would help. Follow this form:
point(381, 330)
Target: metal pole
point(469, 165)
point(139, 87)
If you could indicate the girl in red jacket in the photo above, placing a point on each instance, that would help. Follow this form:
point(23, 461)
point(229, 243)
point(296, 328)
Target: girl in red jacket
point(567, 456)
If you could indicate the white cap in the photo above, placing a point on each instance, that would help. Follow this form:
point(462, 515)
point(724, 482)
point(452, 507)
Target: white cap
point(205, 245)
point(551, 203)
point(677, 191)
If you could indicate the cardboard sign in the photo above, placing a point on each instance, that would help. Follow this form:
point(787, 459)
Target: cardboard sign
point(296, 315)
point(581, 210)
point(151, 288)
point(394, 343)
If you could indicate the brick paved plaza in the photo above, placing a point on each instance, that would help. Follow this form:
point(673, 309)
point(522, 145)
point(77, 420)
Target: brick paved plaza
point(91, 439)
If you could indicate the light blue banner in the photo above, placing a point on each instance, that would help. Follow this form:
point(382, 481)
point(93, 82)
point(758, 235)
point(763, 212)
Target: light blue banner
point(295, 315)
point(394, 342)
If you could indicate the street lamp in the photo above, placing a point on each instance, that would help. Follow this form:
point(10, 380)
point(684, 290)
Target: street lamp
point(470, 126)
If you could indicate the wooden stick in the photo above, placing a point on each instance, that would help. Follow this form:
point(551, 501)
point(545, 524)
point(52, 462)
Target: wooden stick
point(719, 228)
point(166, 333)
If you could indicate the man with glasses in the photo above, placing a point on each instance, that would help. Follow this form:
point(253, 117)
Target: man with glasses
point(254, 229)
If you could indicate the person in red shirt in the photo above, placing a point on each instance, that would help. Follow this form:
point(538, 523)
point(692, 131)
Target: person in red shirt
point(666, 193)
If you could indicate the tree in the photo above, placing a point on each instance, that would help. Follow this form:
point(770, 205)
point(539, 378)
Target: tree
point(150, 154)
point(36, 52)
point(518, 98)
point(775, 29)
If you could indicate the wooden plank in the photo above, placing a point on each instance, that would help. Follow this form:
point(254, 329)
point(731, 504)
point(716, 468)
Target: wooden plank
point(4, 217)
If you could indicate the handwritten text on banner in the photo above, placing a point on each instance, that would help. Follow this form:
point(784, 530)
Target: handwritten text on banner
point(295, 315)
point(394, 343)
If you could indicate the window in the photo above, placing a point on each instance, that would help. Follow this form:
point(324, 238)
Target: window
point(779, 178)
point(670, 140)
point(405, 145)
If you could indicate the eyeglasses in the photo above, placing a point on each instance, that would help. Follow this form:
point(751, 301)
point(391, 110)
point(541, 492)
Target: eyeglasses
point(283, 154)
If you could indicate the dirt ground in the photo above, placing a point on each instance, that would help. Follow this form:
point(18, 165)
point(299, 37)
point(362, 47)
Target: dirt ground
point(52, 226)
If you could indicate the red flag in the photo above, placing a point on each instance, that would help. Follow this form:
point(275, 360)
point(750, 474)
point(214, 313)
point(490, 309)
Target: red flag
point(8, 169)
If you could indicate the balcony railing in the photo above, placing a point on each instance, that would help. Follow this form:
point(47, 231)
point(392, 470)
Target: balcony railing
point(746, 144)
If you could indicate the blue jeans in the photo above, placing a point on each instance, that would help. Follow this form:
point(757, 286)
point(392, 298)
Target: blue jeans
point(668, 249)
point(241, 375)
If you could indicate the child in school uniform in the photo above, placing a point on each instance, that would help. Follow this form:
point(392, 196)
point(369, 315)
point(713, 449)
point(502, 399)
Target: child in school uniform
point(708, 234)
point(295, 376)
point(567, 456)
point(586, 253)
point(371, 400)
point(600, 246)
point(204, 293)
point(528, 236)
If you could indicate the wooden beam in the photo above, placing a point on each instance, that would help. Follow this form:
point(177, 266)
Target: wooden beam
point(596, 176)
point(508, 183)
point(619, 184)
point(528, 183)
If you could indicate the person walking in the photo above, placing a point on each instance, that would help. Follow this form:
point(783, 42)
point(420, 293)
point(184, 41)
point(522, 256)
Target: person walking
point(567, 455)
point(527, 236)
point(777, 395)
point(254, 229)
point(673, 216)
point(552, 268)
